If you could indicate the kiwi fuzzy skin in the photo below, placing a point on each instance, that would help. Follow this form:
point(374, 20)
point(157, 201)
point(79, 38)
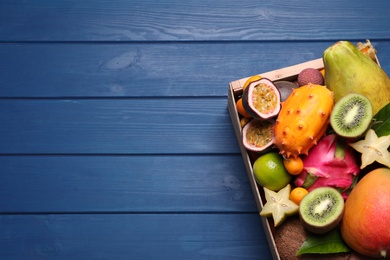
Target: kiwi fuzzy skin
point(320, 228)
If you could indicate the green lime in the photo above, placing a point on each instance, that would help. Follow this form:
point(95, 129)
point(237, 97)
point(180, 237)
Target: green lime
point(270, 172)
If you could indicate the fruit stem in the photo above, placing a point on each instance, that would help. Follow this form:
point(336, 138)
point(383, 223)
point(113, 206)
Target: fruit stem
point(310, 179)
point(383, 253)
point(339, 153)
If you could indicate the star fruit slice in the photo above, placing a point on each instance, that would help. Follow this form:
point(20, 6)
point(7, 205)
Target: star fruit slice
point(373, 149)
point(279, 205)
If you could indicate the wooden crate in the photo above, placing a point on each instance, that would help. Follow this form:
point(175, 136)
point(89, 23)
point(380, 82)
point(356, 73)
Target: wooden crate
point(235, 91)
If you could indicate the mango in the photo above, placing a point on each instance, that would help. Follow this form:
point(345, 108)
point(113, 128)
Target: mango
point(365, 224)
point(348, 70)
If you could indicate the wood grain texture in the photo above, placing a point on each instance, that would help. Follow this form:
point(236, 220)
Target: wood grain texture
point(116, 141)
point(119, 126)
point(139, 70)
point(137, 236)
point(147, 70)
point(124, 184)
point(173, 20)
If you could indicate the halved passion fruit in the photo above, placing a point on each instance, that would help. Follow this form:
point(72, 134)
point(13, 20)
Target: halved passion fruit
point(261, 99)
point(257, 135)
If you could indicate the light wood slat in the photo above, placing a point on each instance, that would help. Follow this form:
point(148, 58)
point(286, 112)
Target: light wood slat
point(67, 184)
point(139, 236)
point(174, 20)
point(286, 73)
point(116, 126)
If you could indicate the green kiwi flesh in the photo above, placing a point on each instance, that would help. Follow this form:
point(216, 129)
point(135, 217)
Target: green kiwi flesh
point(321, 210)
point(351, 115)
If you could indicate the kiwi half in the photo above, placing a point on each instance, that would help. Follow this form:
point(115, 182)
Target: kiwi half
point(351, 115)
point(321, 209)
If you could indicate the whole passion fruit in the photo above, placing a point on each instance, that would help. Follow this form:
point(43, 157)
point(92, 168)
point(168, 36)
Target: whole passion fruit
point(285, 88)
point(257, 135)
point(261, 99)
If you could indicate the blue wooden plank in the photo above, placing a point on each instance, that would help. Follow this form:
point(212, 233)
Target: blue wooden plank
point(174, 20)
point(116, 126)
point(147, 70)
point(114, 112)
point(47, 184)
point(139, 70)
point(132, 236)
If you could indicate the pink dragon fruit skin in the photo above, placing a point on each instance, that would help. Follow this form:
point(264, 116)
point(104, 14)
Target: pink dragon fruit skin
point(329, 163)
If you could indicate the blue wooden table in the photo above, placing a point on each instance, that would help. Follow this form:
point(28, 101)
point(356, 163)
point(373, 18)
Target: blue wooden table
point(116, 142)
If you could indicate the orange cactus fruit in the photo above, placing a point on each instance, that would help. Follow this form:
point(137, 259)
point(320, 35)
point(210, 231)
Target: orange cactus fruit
point(303, 119)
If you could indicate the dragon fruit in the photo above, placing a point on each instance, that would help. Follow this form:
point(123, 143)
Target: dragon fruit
point(329, 163)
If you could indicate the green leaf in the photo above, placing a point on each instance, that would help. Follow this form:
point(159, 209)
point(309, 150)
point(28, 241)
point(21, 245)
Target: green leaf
point(381, 124)
point(328, 243)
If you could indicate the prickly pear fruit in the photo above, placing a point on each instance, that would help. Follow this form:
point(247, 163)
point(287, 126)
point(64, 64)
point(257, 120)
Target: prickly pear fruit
point(303, 119)
point(349, 70)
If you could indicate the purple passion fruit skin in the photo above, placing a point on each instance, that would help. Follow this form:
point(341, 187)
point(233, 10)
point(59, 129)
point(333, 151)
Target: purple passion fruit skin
point(261, 99)
point(257, 135)
point(285, 88)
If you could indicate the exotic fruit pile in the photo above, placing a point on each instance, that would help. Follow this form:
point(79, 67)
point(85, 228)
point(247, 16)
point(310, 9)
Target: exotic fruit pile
point(319, 146)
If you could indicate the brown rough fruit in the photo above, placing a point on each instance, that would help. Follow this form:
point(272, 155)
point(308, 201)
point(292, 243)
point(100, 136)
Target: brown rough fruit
point(290, 236)
point(310, 75)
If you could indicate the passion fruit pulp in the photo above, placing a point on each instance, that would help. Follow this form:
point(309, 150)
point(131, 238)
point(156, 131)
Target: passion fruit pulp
point(257, 135)
point(261, 99)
